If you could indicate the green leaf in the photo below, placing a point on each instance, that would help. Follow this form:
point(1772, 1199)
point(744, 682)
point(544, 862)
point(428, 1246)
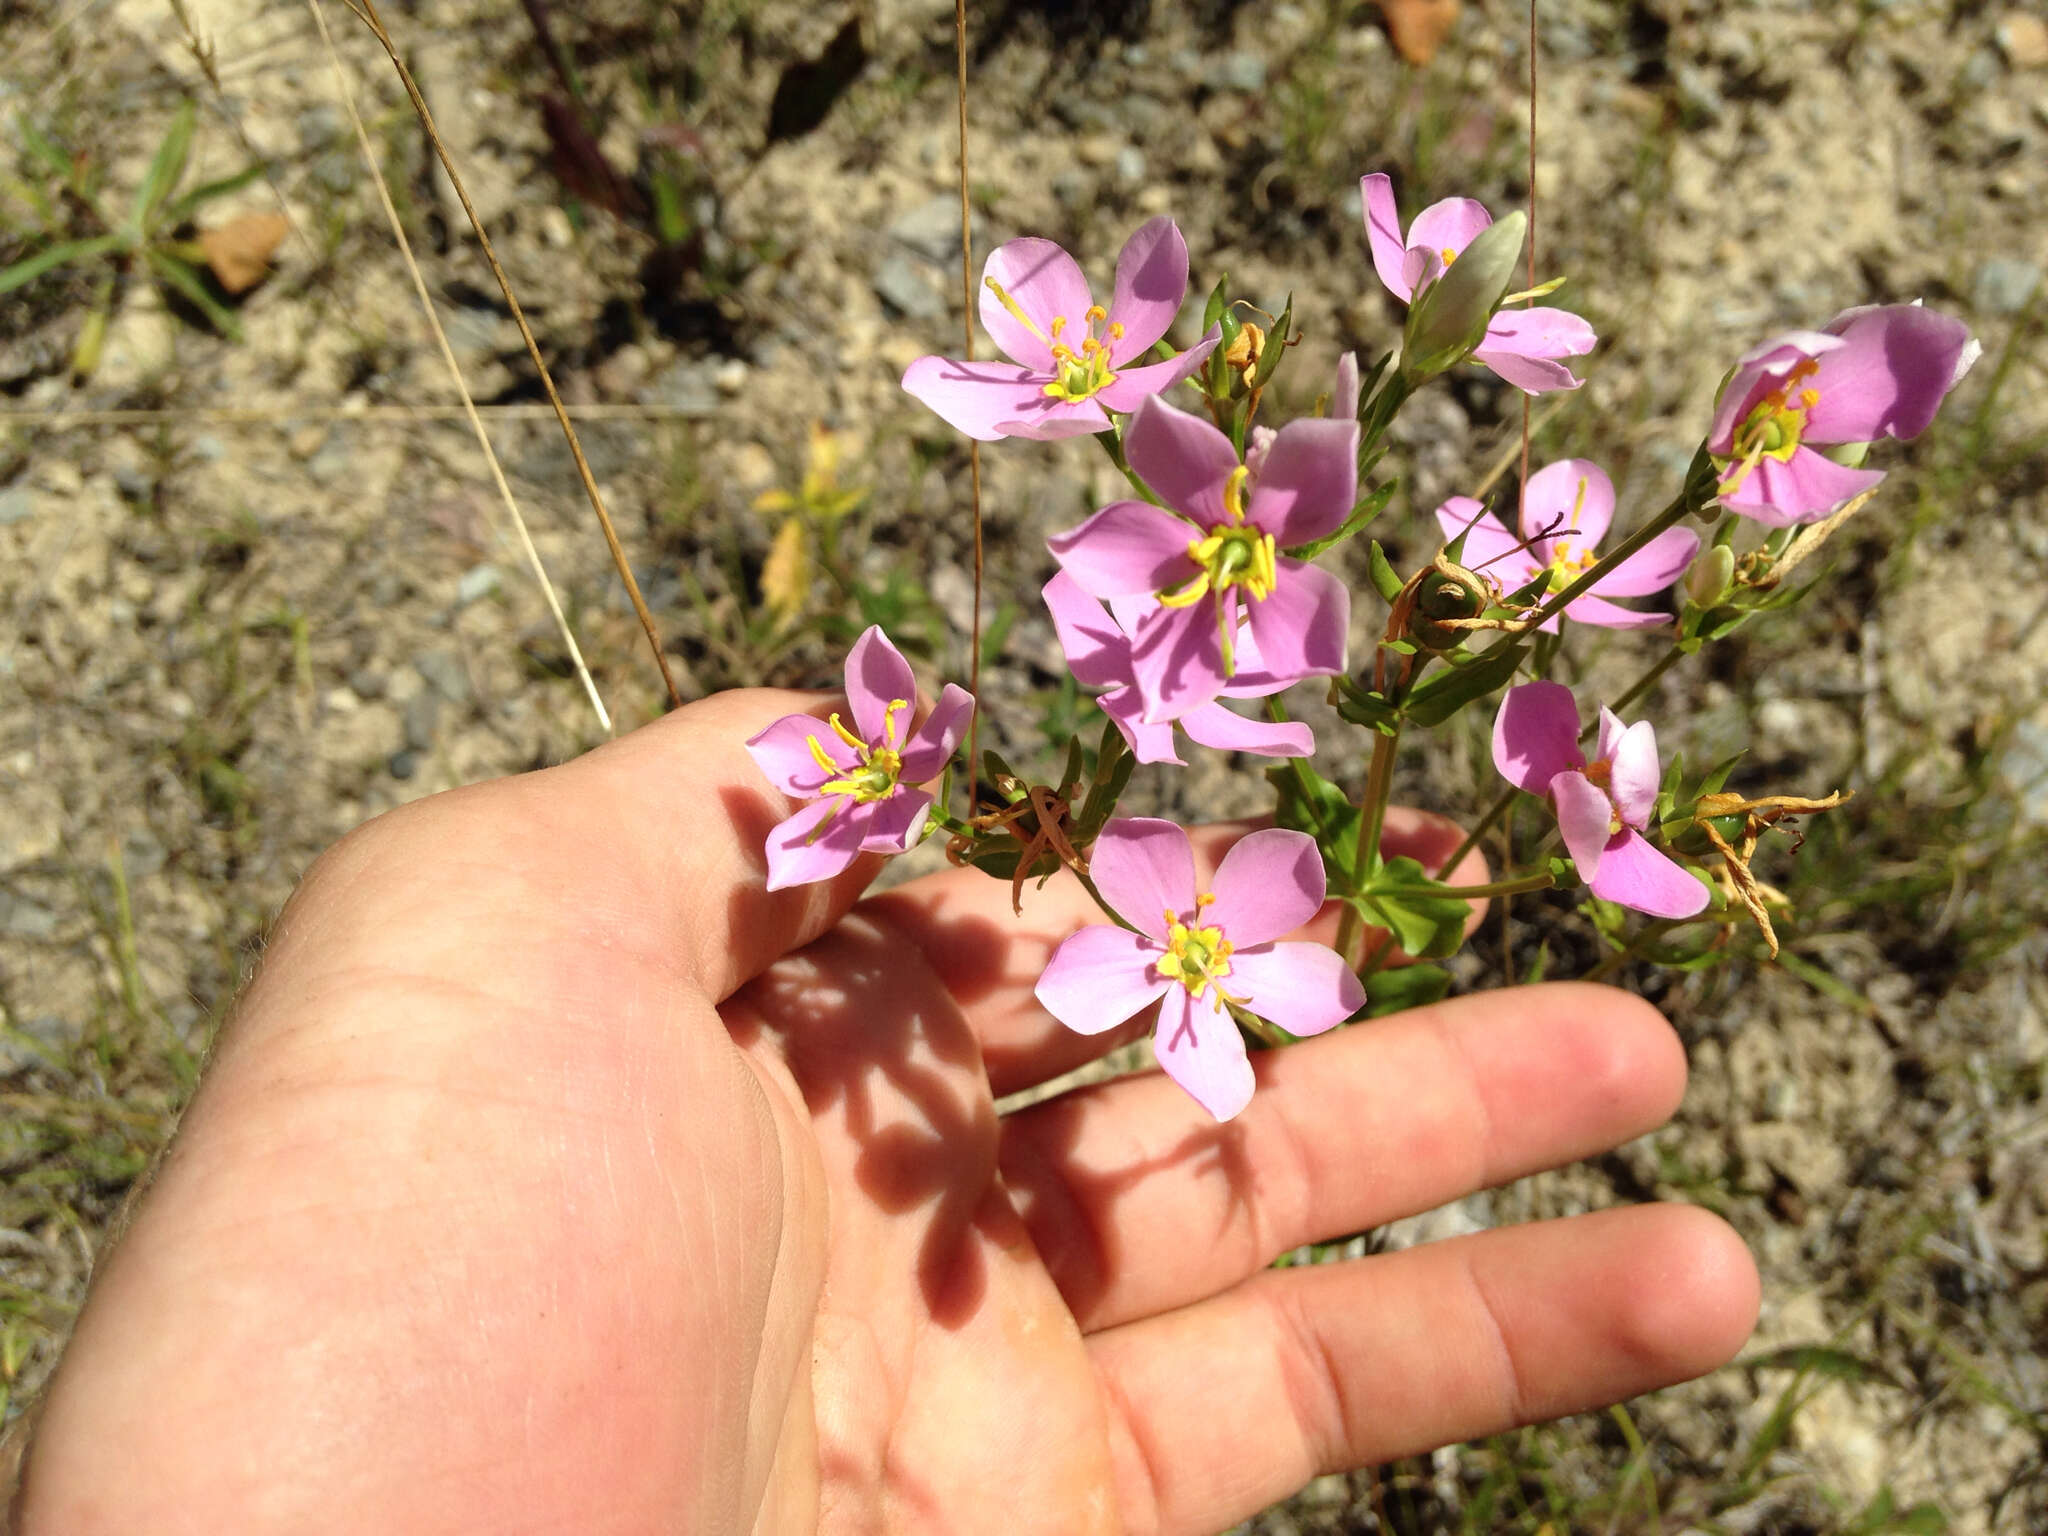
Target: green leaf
point(1219, 301)
point(1369, 507)
point(1276, 344)
point(1385, 579)
point(1305, 801)
point(186, 279)
point(1401, 987)
point(1400, 898)
point(183, 206)
point(1434, 702)
point(1361, 706)
point(30, 268)
point(1821, 1360)
point(168, 166)
point(43, 148)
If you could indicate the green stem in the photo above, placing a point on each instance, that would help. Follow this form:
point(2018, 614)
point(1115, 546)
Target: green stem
point(1640, 686)
point(1628, 951)
point(1088, 885)
point(1511, 887)
point(1112, 444)
point(1379, 783)
point(1480, 828)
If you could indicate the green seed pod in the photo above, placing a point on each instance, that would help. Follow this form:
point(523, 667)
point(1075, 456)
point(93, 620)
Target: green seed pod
point(1711, 576)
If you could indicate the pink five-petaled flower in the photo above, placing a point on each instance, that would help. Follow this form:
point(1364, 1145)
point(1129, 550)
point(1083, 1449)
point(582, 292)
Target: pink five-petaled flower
point(1566, 509)
point(1603, 805)
point(1219, 564)
point(1075, 360)
point(1879, 371)
point(1520, 343)
point(860, 776)
point(1098, 647)
point(1200, 949)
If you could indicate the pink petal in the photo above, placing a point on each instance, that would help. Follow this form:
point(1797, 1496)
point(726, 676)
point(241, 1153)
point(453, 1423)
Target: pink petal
point(784, 754)
point(1303, 626)
point(926, 753)
point(1304, 988)
point(876, 677)
point(894, 824)
point(1531, 375)
point(1046, 285)
point(1585, 818)
point(1450, 225)
point(1182, 457)
point(1198, 1046)
point(1420, 268)
point(1536, 333)
point(1214, 726)
point(1634, 774)
point(1554, 508)
point(1309, 479)
point(1132, 386)
point(1344, 398)
point(1177, 659)
point(1383, 233)
point(981, 399)
point(1652, 568)
point(798, 857)
point(1128, 547)
point(1268, 884)
point(1151, 741)
point(1536, 735)
point(1047, 420)
point(1635, 874)
point(1099, 977)
point(1896, 365)
point(1802, 489)
point(1489, 548)
point(1758, 371)
point(1151, 281)
point(1097, 650)
point(1588, 609)
point(1145, 868)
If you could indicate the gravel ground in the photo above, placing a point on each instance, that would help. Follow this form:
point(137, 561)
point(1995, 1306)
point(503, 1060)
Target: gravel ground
point(282, 597)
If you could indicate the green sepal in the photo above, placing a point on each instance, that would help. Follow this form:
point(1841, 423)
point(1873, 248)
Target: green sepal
point(1276, 344)
point(1385, 579)
point(1219, 302)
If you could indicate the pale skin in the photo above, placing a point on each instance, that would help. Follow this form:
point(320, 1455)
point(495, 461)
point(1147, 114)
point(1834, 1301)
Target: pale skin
point(553, 1177)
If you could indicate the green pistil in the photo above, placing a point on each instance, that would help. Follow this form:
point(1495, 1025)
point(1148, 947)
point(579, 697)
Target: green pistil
point(1773, 428)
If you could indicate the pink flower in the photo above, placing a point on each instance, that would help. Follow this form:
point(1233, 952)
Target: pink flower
point(1075, 361)
point(1218, 564)
point(861, 777)
point(1879, 371)
point(1566, 509)
point(1098, 647)
point(1602, 806)
point(1520, 343)
point(1198, 950)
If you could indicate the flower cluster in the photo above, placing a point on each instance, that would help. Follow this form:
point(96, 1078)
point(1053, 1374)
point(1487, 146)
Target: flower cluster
point(1203, 587)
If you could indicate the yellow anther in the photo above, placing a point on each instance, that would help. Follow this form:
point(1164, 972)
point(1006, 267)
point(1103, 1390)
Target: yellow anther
point(1090, 346)
point(1205, 899)
point(839, 729)
point(1449, 255)
point(1809, 398)
point(1096, 314)
point(889, 719)
point(1188, 595)
point(1233, 493)
point(820, 755)
point(1059, 323)
point(1016, 311)
point(1116, 330)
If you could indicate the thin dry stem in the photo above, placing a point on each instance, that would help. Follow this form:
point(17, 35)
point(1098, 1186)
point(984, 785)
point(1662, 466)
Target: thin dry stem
point(367, 11)
point(348, 98)
point(270, 415)
point(967, 333)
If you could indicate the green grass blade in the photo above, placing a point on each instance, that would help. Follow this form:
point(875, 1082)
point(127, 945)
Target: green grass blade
point(182, 207)
point(30, 268)
point(168, 167)
point(186, 279)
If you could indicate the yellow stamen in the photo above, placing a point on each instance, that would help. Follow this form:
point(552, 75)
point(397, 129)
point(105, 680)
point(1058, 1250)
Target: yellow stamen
point(839, 729)
point(1233, 493)
point(1016, 310)
point(1059, 323)
point(820, 755)
point(1095, 316)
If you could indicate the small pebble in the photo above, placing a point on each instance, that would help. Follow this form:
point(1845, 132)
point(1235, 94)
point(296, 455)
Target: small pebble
point(403, 765)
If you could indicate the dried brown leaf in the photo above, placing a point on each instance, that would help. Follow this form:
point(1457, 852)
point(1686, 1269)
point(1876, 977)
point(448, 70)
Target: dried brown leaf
point(239, 251)
point(1418, 27)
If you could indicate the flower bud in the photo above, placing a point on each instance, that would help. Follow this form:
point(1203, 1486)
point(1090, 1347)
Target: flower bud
point(1711, 577)
point(1449, 317)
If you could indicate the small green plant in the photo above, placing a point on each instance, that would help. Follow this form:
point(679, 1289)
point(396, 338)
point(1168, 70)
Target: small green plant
point(65, 191)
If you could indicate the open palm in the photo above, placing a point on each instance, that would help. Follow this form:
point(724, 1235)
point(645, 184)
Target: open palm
point(554, 1177)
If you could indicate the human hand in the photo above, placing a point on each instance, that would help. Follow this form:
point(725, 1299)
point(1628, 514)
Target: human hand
point(554, 1176)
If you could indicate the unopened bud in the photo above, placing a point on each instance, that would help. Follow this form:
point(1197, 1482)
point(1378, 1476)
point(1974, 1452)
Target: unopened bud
point(1449, 317)
point(1711, 576)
